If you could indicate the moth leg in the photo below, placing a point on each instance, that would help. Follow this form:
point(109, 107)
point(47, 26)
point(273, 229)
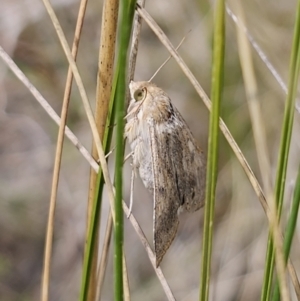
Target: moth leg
point(109, 153)
point(128, 156)
point(131, 193)
point(131, 154)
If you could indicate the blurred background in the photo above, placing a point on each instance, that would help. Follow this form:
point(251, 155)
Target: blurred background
point(28, 137)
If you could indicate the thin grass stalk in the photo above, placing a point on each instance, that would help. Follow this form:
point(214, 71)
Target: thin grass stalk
point(134, 45)
point(107, 141)
point(83, 94)
point(58, 155)
point(85, 102)
point(132, 63)
point(259, 137)
point(284, 151)
point(126, 291)
point(125, 25)
point(290, 230)
point(263, 57)
point(91, 247)
point(92, 123)
point(103, 91)
point(256, 118)
point(260, 52)
point(46, 106)
point(91, 242)
point(213, 143)
point(92, 233)
point(150, 254)
point(249, 77)
point(131, 70)
point(104, 79)
point(104, 256)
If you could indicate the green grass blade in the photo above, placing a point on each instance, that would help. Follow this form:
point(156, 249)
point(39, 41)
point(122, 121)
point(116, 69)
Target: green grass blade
point(290, 230)
point(212, 165)
point(126, 15)
point(284, 152)
point(95, 217)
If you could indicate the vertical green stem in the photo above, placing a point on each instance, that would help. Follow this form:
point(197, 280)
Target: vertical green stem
point(126, 14)
point(284, 152)
point(95, 216)
point(290, 230)
point(217, 83)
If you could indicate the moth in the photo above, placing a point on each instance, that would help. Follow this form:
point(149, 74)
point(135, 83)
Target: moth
point(170, 163)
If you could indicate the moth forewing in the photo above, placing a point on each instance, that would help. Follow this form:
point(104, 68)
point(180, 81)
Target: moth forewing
point(170, 163)
point(166, 200)
point(192, 168)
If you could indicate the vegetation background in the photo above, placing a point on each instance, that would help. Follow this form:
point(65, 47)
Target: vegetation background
point(28, 137)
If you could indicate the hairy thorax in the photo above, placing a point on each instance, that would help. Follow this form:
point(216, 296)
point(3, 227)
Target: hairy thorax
point(135, 132)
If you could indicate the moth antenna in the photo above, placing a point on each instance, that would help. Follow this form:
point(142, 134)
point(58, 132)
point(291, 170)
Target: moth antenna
point(163, 64)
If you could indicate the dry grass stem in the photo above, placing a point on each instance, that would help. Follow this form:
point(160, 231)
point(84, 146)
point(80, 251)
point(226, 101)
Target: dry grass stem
point(137, 26)
point(260, 142)
point(263, 56)
point(253, 101)
point(48, 109)
point(103, 91)
point(166, 61)
point(104, 256)
point(125, 280)
point(150, 253)
point(85, 101)
point(104, 80)
point(57, 160)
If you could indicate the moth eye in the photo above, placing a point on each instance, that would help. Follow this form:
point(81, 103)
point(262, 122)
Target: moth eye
point(139, 94)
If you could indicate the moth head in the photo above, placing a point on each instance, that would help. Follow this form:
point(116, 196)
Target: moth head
point(148, 100)
point(140, 94)
point(138, 91)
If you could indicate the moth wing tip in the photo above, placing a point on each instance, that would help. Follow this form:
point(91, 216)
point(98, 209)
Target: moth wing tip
point(158, 260)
